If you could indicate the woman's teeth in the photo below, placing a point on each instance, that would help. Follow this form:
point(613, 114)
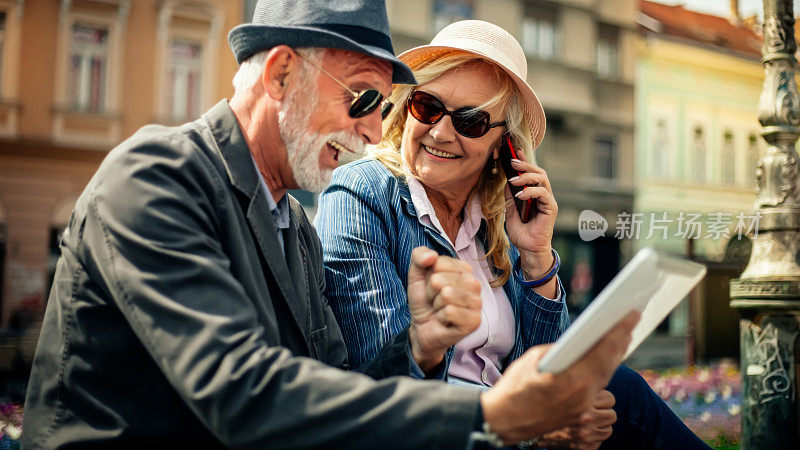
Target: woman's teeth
point(439, 153)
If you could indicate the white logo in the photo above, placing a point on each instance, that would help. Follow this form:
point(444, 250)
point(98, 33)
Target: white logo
point(591, 225)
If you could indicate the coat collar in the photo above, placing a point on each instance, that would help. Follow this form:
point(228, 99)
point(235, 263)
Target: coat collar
point(233, 148)
point(244, 176)
point(408, 204)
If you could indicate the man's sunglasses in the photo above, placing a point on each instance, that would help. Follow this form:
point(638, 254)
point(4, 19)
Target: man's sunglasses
point(469, 122)
point(364, 102)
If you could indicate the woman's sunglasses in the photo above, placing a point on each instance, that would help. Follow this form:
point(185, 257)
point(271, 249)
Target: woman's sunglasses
point(364, 102)
point(469, 122)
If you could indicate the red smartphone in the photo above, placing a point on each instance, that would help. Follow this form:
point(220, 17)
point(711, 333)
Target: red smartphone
point(525, 208)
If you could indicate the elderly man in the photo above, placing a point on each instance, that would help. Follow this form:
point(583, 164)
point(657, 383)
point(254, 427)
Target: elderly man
point(187, 305)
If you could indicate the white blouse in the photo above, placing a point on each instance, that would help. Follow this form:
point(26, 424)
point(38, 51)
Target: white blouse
point(477, 357)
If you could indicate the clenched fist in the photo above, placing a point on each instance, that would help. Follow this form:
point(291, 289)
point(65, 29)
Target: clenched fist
point(445, 303)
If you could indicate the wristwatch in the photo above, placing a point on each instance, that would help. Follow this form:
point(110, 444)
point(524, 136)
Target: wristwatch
point(490, 437)
point(530, 443)
point(487, 435)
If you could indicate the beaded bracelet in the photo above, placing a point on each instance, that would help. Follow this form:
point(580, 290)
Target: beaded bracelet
point(544, 279)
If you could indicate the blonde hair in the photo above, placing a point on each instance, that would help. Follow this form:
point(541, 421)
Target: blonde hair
point(490, 187)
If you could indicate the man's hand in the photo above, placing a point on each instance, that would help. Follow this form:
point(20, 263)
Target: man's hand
point(594, 427)
point(526, 403)
point(445, 303)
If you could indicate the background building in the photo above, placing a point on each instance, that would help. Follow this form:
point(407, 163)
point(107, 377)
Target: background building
point(77, 77)
point(581, 65)
point(698, 83)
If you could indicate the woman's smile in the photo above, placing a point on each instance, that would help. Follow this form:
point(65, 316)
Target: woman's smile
point(439, 154)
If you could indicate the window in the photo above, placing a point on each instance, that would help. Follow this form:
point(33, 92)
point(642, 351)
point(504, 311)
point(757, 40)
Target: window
point(605, 157)
point(88, 76)
point(607, 53)
point(88, 62)
point(752, 158)
point(186, 67)
point(698, 170)
point(11, 16)
point(183, 79)
point(446, 12)
point(728, 158)
point(661, 149)
point(540, 32)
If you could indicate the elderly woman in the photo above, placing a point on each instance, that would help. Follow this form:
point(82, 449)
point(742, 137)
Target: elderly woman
point(435, 181)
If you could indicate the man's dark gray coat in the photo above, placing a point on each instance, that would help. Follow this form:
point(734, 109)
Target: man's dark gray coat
point(174, 319)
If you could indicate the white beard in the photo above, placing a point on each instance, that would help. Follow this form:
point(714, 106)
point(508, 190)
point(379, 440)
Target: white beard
point(303, 145)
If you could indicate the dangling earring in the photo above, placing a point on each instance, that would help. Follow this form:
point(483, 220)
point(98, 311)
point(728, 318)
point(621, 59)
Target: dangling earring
point(495, 171)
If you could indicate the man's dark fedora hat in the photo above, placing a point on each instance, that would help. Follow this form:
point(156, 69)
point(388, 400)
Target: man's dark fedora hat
point(356, 25)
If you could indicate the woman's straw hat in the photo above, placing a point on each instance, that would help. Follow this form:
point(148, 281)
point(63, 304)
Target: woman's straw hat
point(493, 44)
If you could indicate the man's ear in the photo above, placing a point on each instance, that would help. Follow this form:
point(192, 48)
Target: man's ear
point(281, 61)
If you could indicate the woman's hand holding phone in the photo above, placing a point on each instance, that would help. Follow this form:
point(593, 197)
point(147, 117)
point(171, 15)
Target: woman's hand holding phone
point(534, 238)
point(507, 153)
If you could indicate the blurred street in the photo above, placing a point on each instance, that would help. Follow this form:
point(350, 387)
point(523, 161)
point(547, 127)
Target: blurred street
point(659, 351)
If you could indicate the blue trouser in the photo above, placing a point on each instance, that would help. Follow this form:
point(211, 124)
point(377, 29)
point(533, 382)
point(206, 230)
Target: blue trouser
point(644, 421)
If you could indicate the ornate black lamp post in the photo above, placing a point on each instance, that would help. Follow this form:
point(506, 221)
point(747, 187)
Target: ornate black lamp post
point(768, 293)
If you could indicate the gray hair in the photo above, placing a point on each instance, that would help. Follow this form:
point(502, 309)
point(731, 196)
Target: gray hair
point(251, 69)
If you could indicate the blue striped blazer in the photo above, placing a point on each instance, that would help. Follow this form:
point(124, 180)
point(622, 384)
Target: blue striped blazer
point(368, 227)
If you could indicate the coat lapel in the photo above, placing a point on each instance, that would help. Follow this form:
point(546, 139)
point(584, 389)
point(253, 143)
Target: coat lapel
point(295, 259)
point(432, 233)
point(244, 177)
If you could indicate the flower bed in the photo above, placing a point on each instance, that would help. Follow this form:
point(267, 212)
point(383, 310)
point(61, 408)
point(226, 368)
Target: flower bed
point(707, 399)
point(10, 426)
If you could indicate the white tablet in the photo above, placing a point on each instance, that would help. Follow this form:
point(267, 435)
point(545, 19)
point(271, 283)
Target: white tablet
point(652, 283)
